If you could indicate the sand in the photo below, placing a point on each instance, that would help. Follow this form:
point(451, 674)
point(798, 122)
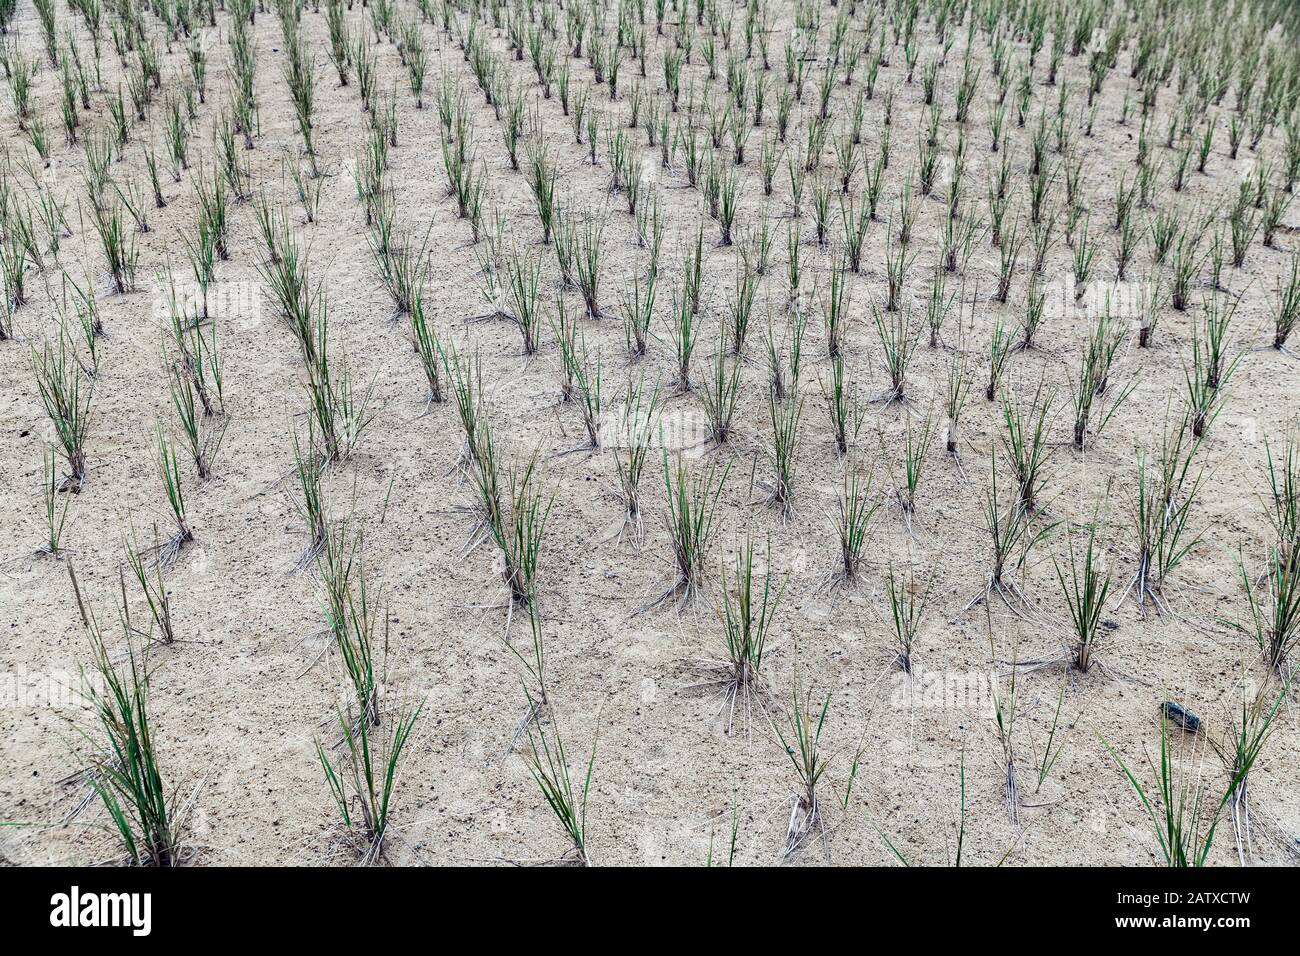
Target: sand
point(251, 682)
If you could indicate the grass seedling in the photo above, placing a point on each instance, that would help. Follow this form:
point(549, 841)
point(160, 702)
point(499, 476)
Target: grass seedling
point(119, 250)
point(746, 617)
point(1089, 389)
point(907, 601)
point(549, 765)
point(55, 511)
point(720, 396)
point(67, 399)
point(684, 330)
point(1250, 731)
point(1004, 716)
point(428, 347)
point(898, 341)
point(937, 305)
point(402, 264)
point(638, 313)
point(127, 772)
point(1283, 502)
point(152, 587)
point(1274, 616)
point(1183, 815)
point(340, 411)
point(640, 416)
point(1287, 311)
point(1085, 596)
point(352, 618)
point(855, 509)
point(1013, 535)
point(955, 394)
point(1000, 348)
point(309, 466)
point(846, 410)
point(692, 506)
point(363, 779)
point(467, 389)
point(802, 743)
point(585, 376)
point(1035, 300)
point(514, 515)
point(170, 473)
point(202, 434)
point(784, 450)
point(1025, 442)
point(836, 311)
point(1162, 509)
point(523, 287)
point(1057, 737)
point(587, 264)
point(1204, 401)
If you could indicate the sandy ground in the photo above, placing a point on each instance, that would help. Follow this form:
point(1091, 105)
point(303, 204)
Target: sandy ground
point(239, 699)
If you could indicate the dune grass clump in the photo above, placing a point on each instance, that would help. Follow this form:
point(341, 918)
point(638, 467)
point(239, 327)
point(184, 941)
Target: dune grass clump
point(1094, 401)
point(784, 449)
point(1025, 443)
point(907, 600)
point(1287, 310)
point(54, 507)
point(898, 341)
point(640, 416)
point(66, 396)
point(339, 408)
point(1273, 608)
point(1168, 489)
point(1085, 597)
point(1252, 727)
point(126, 770)
point(720, 396)
point(1013, 533)
point(916, 445)
point(1181, 806)
point(1211, 367)
point(802, 740)
point(363, 778)
point(749, 605)
point(361, 767)
point(121, 253)
point(855, 507)
point(548, 763)
point(692, 510)
point(513, 510)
